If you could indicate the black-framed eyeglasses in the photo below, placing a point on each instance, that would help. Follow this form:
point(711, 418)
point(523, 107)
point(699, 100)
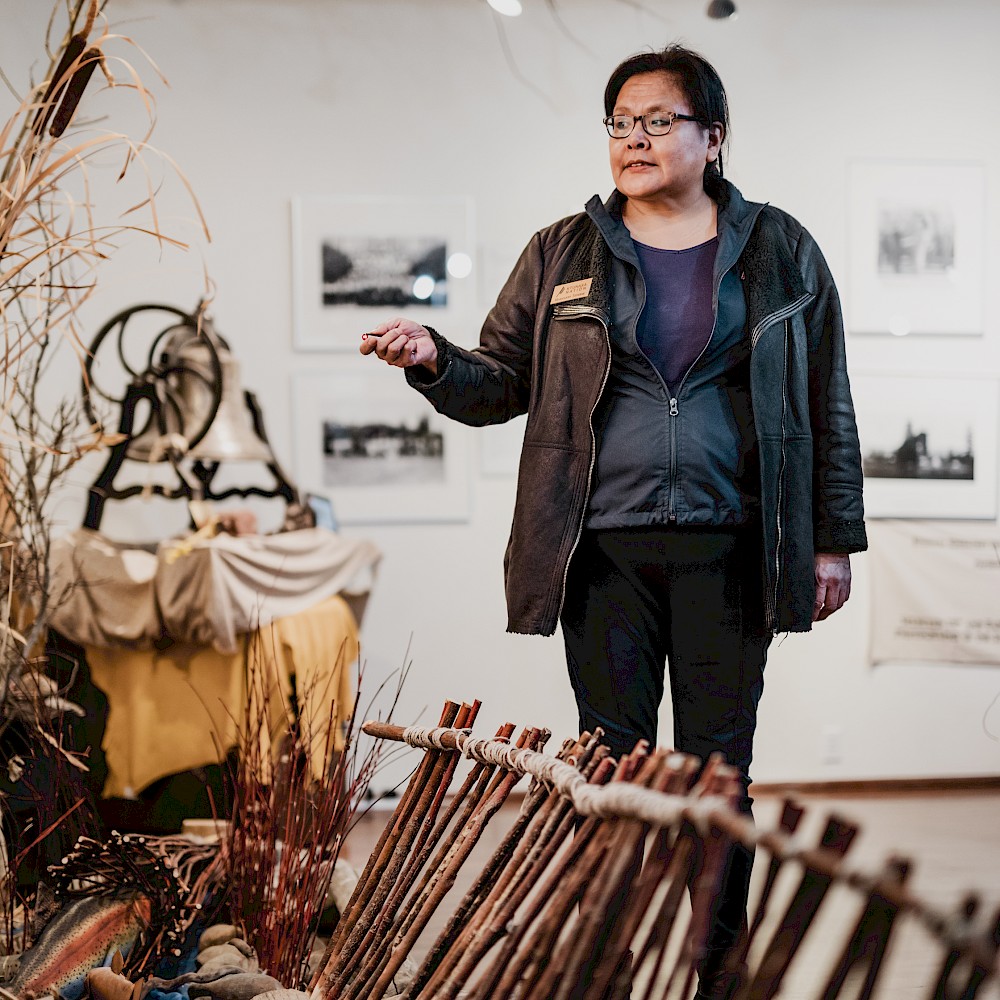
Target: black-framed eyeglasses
point(653, 123)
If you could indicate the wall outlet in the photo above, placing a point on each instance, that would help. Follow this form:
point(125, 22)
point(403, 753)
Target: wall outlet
point(833, 744)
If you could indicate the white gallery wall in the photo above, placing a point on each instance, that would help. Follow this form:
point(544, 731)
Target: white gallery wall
point(268, 101)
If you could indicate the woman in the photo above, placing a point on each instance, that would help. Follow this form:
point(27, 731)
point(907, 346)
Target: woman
point(690, 481)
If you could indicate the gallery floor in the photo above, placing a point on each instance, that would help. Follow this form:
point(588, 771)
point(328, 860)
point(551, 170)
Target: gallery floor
point(952, 838)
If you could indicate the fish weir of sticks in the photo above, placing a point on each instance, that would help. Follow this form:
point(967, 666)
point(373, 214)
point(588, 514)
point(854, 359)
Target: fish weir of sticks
point(289, 817)
point(586, 896)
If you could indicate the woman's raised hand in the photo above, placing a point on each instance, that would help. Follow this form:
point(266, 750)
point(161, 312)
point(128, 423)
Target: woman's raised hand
point(401, 343)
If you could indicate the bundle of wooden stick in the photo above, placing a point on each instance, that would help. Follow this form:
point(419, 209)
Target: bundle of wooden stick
point(603, 886)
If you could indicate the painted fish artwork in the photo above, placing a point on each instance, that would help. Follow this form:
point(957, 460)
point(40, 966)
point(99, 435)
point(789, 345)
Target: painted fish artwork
point(82, 936)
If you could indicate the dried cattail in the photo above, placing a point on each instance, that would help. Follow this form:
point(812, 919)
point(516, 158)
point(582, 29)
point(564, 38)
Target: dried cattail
point(60, 80)
point(74, 91)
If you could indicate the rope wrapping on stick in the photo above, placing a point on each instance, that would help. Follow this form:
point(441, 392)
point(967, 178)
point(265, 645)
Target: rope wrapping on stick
point(619, 799)
point(433, 738)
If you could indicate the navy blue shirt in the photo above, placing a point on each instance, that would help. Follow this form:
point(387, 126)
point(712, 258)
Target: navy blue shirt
point(677, 320)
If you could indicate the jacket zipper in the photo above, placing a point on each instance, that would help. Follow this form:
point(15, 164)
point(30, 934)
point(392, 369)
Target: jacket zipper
point(581, 312)
point(674, 410)
point(771, 599)
point(772, 602)
point(675, 397)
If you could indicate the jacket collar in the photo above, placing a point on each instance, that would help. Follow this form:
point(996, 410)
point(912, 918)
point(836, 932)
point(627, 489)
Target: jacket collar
point(749, 232)
point(607, 216)
point(736, 220)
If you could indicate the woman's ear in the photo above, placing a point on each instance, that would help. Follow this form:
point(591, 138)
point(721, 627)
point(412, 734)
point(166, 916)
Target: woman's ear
point(716, 135)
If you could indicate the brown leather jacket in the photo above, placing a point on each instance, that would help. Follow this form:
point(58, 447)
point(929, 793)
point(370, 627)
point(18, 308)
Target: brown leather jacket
point(545, 350)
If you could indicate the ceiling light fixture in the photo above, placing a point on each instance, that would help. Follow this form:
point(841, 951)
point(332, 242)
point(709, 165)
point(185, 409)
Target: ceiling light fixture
point(720, 10)
point(509, 7)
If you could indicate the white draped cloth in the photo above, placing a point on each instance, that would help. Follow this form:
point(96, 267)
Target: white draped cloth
point(246, 614)
point(203, 591)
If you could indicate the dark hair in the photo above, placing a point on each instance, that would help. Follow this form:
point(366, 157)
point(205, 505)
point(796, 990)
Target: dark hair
point(701, 85)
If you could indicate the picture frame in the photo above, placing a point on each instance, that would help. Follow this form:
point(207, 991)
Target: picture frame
point(378, 449)
point(358, 261)
point(916, 248)
point(929, 444)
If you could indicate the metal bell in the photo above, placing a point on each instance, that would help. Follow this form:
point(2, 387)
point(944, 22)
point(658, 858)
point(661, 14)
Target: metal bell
point(231, 436)
point(186, 379)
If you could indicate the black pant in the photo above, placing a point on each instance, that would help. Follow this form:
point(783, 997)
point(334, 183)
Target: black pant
point(640, 598)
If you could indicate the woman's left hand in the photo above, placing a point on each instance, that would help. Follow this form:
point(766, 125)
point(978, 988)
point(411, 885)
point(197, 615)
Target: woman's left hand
point(833, 583)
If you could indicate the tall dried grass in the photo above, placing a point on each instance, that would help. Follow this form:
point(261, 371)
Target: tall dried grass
point(53, 241)
point(52, 245)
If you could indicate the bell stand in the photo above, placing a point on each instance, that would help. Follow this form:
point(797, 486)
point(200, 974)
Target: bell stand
point(205, 471)
point(103, 487)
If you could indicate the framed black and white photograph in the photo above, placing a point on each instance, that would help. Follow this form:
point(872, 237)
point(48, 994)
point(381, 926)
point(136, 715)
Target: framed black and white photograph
point(357, 262)
point(377, 449)
point(916, 248)
point(928, 444)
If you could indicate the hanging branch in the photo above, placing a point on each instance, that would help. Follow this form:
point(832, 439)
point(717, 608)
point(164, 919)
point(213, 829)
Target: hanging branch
point(562, 26)
point(637, 5)
point(512, 63)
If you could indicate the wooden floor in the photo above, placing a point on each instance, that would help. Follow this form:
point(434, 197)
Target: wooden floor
point(952, 838)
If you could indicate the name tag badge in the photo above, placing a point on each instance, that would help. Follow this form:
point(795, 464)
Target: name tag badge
point(574, 290)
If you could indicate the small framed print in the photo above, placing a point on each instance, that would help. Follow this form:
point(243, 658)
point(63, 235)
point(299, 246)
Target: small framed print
point(928, 445)
point(917, 243)
point(378, 449)
point(357, 262)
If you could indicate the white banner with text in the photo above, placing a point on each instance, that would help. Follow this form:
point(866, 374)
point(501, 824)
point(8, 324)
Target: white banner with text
point(935, 591)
